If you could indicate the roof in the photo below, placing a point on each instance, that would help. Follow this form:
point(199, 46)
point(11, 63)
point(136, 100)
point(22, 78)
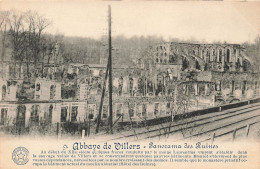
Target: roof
point(99, 66)
point(187, 43)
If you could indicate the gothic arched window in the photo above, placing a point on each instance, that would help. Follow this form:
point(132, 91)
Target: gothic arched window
point(220, 55)
point(228, 55)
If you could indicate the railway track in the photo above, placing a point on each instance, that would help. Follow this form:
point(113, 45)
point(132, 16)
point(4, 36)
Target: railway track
point(223, 129)
point(198, 127)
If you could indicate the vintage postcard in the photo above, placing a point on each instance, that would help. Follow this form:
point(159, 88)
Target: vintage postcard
point(129, 84)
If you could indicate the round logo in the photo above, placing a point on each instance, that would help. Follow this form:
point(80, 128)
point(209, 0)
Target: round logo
point(20, 155)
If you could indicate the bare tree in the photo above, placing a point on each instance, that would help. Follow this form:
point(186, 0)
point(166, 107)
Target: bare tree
point(36, 25)
point(4, 16)
point(25, 31)
point(17, 34)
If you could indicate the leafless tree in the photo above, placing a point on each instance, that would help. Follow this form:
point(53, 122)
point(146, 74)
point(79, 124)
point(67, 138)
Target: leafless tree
point(4, 16)
point(35, 27)
point(24, 30)
point(17, 34)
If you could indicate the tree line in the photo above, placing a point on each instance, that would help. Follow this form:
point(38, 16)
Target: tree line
point(22, 32)
point(23, 38)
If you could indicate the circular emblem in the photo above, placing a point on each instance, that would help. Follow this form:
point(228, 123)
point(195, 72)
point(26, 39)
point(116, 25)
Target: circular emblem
point(20, 155)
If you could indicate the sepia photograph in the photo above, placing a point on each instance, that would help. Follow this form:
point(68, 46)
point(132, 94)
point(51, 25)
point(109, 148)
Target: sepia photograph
point(141, 74)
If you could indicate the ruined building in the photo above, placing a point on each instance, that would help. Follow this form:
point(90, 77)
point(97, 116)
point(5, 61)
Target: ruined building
point(172, 78)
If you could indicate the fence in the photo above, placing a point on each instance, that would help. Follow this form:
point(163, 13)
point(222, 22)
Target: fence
point(87, 128)
point(160, 120)
point(214, 136)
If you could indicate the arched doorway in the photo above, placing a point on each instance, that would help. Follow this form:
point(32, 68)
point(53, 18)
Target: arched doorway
point(141, 86)
point(20, 119)
point(52, 91)
point(185, 63)
point(197, 65)
point(34, 118)
point(228, 55)
point(220, 55)
point(50, 114)
point(3, 92)
point(3, 116)
point(207, 56)
point(160, 84)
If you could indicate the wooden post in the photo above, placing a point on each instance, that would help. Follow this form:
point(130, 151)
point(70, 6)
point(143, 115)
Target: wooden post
point(213, 137)
point(247, 130)
point(234, 134)
point(122, 121)
point(88, 127)
point(154, 88)
point(102, 100)
point(58, 130)
point(171, 116)
point(146, 90)
point(213, 100)
point(110, 120)
point(83, 134)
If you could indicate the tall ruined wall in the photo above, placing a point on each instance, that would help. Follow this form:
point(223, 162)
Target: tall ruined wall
point(218, 57)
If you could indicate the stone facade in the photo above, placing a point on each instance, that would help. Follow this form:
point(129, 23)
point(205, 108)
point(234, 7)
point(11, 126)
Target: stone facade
point(217, 57)
point(173, 78)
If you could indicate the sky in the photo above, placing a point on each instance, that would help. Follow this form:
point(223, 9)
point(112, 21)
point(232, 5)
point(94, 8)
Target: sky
point(233, 22)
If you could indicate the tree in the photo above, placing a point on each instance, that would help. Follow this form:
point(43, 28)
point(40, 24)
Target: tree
point(36, 25)
point(24, 31)
point(4, 15)
point(252, 50)
point(17, 34)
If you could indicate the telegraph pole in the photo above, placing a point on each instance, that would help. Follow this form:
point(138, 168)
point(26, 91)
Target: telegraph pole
point(110, 85)
point(110, 71)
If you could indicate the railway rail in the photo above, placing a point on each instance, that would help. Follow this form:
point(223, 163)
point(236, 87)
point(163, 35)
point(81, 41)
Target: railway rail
point(194, 127)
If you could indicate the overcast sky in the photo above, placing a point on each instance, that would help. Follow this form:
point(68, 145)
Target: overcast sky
point(208, 21)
